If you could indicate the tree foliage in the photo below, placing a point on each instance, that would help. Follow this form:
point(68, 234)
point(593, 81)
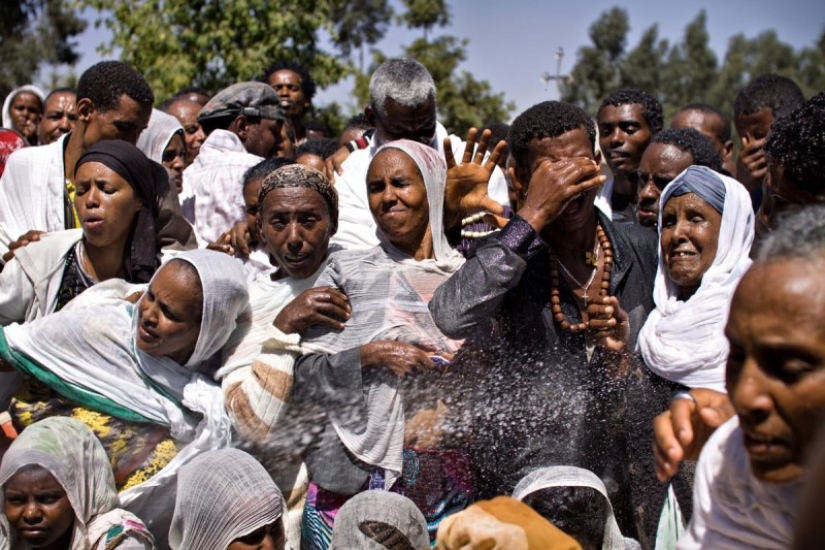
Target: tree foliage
point(359, 23)
point(463, 101)
point(34, 33)
point(686, 71)
point(213, 43)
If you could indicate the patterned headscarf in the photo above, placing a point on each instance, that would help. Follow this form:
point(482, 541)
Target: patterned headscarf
point(298, 175)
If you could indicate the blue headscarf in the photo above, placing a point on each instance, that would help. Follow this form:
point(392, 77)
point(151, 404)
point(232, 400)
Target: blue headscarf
point(701, 181)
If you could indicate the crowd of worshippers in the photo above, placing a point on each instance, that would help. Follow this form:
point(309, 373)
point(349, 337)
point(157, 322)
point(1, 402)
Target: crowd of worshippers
point(223, 328)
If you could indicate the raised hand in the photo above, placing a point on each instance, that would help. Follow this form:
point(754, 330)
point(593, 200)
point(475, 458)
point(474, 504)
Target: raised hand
point(223, 244)
point(681, 431)
point(240, 237)
point(553, 185)
point(317, 306)
point(752, 158)
point(466, 189)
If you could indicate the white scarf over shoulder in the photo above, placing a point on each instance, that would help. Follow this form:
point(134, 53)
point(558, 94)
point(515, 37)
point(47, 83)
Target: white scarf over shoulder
point(389, 293)
point(91, 353)
point(732, 510)
point(684, 341)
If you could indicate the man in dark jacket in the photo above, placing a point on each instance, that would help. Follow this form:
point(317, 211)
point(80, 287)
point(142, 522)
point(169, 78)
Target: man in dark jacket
point(552, 304)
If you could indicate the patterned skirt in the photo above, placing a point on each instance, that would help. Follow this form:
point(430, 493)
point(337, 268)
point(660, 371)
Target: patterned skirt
point(136, 451)
point(438, 482)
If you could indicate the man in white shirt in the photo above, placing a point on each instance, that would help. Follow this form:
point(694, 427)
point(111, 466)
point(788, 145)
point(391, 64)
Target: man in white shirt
point(243, 124)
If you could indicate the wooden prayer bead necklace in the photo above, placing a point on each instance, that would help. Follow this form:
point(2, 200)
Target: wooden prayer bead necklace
point(555, 301)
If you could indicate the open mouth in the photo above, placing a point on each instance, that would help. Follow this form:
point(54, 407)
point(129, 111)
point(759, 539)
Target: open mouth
point(92, 222)
point(574, 206)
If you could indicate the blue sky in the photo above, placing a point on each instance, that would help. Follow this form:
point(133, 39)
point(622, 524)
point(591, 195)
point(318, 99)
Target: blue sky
point(513, 42)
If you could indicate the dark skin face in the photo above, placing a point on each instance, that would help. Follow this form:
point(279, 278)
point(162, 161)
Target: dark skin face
point(187, 114)
point(260, 137)
point(708, 124)
point(399, 122)
point(268, 537)
point(398, 202)
point(174, 160)
point(169, 314)
point(250, 199)
point(125, 121)
point(623, 136)
point(689, 238)
point(26, 111)
point(59, 117)
point(106, 205)
point(296, 227)
point(660, 165)
point(37, 508)
point(573, 144)
point(776, 372)
point(287, 85)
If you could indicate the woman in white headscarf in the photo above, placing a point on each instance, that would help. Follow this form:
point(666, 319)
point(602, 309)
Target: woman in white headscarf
point(379, 379)
point(163, 142)
point(227, 500)
point(62, 458)
point(139, 375)
point(23, 110)
point(576, 510)
point(706, 228)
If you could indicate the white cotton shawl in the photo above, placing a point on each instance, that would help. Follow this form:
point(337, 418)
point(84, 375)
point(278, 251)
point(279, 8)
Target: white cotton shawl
point(92, 351)
point(389, 293)
point(7, 123)
point(732, 510)
point(223, 495)
point(156, 137)
point(74, 456)
point(684, 341)
point(571, 476)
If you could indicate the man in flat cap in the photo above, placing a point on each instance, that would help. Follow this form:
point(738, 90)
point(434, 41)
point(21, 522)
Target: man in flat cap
point(243, 126)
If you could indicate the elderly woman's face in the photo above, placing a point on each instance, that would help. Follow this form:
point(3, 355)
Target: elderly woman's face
point(106, 205)
point(776, 369)
point(398, 199)
point(169, 314)
point(295, 226)
point(37, 507)
point(689, 238)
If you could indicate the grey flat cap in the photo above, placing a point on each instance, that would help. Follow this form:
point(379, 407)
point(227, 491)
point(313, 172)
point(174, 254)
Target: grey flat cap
point(253, 99)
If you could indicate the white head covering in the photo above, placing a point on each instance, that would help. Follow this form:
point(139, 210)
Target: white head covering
point(684, 341)
point(7, 123)
point(156, 137)
point(396, 512)
point(74, 456)
point(90, 356)
point(571, 476)
point(389, 303)
point(222, 496)
point(433, 170)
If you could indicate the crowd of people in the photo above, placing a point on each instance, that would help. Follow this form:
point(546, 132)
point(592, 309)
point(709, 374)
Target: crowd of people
point(224, 328)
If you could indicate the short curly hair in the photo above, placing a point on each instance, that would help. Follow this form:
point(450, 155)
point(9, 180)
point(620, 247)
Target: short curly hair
point(797, 144)
point(104, 83)
point(320, 147)
point(307, 82)
point(651, 108)
point(547, 119)
point(692, 141)
point(781, 94)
